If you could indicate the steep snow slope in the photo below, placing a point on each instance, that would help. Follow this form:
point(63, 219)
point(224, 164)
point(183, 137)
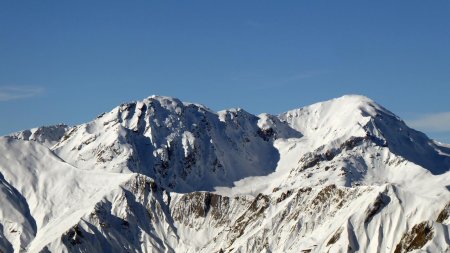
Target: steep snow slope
point(160, 175)
point(40, 192)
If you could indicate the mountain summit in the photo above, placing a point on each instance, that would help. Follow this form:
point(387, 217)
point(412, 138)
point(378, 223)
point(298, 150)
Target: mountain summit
point(162, 175)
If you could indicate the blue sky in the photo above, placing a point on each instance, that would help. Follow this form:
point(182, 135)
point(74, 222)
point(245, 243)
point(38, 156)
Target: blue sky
point(68, 61)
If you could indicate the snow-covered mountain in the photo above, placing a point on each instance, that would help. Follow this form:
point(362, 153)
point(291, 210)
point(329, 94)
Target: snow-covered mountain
point(161, 175)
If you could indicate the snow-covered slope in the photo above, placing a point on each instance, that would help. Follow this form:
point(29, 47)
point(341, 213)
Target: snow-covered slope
point(182, 146)
point(160, 175)
point(333, 122)
point(46, 135)
point(43, 193)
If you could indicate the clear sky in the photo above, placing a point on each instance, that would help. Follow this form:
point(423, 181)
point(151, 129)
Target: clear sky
point(68, 61)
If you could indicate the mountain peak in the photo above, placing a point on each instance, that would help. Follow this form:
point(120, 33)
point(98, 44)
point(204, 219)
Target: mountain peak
point(333, 122)
point(355, 97)
point(164, 99)
point(344, 116)
point(172, 103)
point(361, 103)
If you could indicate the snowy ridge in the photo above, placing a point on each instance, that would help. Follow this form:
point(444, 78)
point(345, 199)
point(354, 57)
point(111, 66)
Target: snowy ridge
point(46, 135)
point(161, 175)
point(183, 146)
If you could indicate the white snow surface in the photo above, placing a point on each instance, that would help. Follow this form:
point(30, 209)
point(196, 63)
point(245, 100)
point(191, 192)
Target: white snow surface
point(161, 175)
point(46, 135)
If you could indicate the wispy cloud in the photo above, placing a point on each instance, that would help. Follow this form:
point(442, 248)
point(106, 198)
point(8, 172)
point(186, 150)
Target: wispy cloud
point(433, 122)
point(8, 93)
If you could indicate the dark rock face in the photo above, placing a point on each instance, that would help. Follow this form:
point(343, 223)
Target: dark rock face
point(416, 238)
point(202, 204)
point(380, 202)
point(444, 214)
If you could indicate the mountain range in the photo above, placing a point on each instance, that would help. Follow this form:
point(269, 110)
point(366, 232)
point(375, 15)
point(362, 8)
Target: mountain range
point(162, 175)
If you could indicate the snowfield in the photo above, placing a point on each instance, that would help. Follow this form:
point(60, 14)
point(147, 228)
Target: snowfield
point(161, 175)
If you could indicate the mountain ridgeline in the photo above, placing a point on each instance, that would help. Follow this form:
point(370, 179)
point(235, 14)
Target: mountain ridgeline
point(161, 175)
